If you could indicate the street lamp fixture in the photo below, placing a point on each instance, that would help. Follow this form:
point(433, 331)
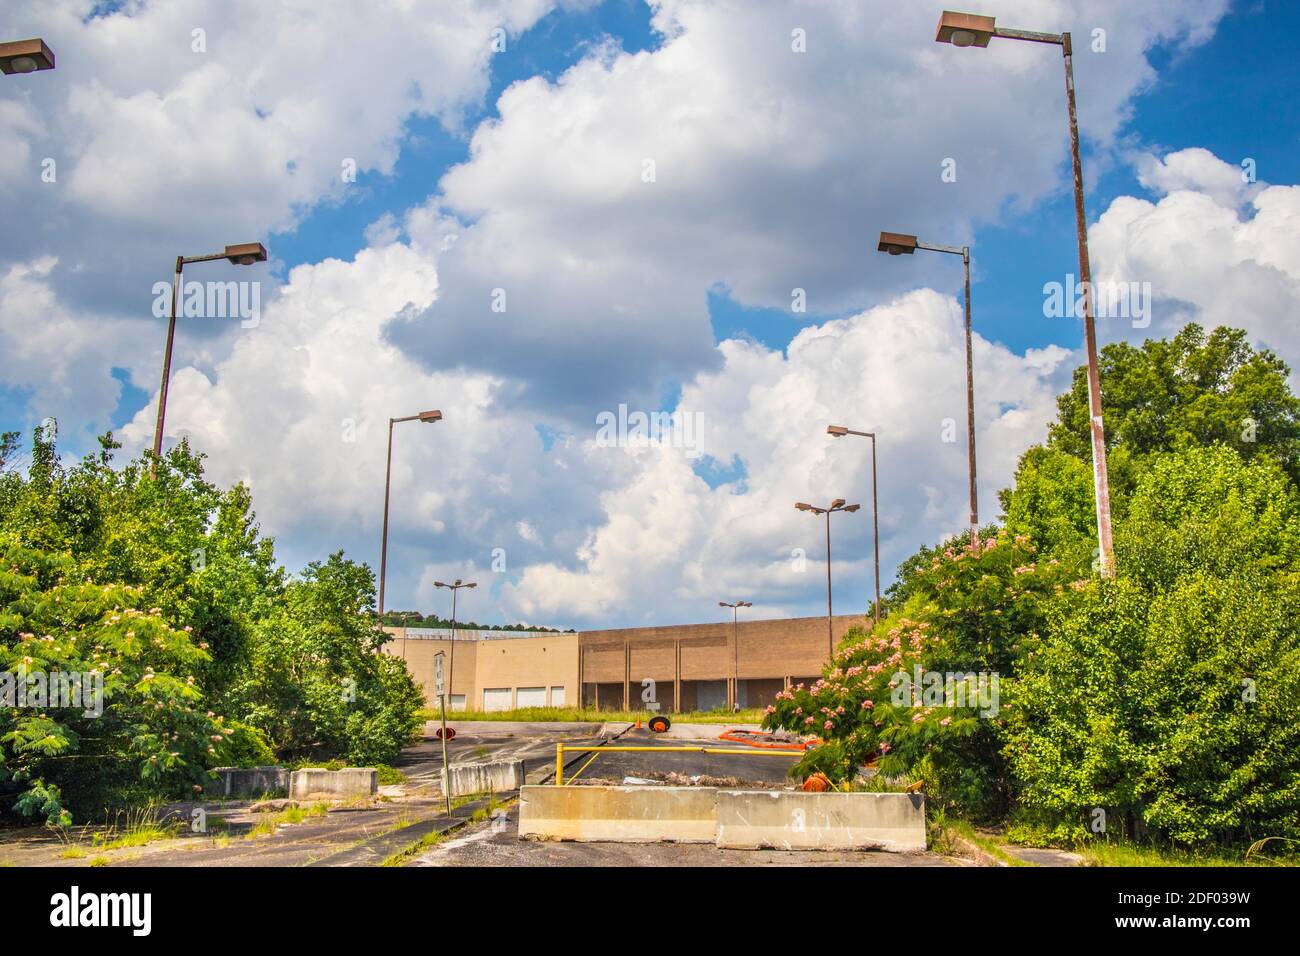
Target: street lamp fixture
point(965, 29)
point(839, 431)
point(835, 506)
point(242, 254)
point(429, 417)
point(898, 243)
point(25, 56)
point(734, 694)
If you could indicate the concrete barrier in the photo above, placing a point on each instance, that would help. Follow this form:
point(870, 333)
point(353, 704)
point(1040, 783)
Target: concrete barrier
point(785, 820)
point(495, 777)
point(248, 781)
point(619, 814)
point(733, 819)
point(346, 784)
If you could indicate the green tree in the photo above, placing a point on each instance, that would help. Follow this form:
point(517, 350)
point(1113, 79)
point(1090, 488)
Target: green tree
point(1194, 389)
point(318, 685)
point(1168, 698)
point(183, 563)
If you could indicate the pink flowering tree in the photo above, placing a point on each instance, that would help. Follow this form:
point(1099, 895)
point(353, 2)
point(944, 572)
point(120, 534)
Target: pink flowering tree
point(919, 694)
point(135, 719)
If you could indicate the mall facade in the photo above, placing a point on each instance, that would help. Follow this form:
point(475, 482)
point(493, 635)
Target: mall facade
point(678, 667)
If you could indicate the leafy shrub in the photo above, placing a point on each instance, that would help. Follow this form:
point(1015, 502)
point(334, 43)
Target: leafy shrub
point(1168, 698)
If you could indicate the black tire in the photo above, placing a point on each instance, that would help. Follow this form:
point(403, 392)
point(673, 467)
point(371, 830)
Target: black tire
point(659, 724)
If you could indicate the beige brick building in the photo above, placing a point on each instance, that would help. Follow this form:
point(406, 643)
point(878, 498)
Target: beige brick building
point(679, 667)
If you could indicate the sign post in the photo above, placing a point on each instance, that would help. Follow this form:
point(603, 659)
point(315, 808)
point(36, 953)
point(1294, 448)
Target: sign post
point(440, 689)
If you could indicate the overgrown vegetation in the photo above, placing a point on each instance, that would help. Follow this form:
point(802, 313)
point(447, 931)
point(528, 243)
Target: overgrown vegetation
point(165, 586)
point(1157, 708)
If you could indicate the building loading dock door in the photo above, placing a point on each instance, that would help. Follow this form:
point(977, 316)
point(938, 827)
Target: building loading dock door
point(710, 694)
point(496, 698)
point(530, 697)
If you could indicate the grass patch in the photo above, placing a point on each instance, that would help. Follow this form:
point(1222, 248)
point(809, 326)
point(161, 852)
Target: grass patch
point(401, 856)
point(135, 828)
point(1131, 854)
point(99, 861)
point(288, 815)
point(988, 844)
point(592, 716)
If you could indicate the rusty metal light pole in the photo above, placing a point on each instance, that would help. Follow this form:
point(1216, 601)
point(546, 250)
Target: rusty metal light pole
point(241, 254)
point(898, 244)
point(451, 662)
point(966, 29)
point(25, 56)
point(735, 651)
point(427, 417)
point(839, 431)
point(836, 505)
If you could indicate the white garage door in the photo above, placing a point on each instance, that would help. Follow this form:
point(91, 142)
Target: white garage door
point(496, 698)
point(531, 696)
point(557, 696)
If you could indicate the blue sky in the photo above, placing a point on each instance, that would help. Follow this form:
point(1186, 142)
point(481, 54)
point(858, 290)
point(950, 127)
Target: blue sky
point(775, 171)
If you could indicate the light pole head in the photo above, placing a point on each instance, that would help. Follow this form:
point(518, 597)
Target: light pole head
point(897, 243)
point(852, 508)
point(803, 506)
point(246, 253)
point(745, 604)
point(431, 416)
point(439, 584)
point(837, 503)
point(25, 56)
point(964, 29)
point(472, 584)
point(836, 431)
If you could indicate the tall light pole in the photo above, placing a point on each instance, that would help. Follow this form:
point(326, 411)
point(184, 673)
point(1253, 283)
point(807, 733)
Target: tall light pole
point(442, 710)
point(241, 254)
point(839, 431)
point(735, 650)
point(963, 30)
point(836, 505)
point(454, 587)
point(898, 244)
point(429, 417)
point(25, 56)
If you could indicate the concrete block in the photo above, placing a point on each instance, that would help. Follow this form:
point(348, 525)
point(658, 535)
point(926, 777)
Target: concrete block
point(248, 782)
point(785, 820)
point(346, 784)
point(619, 814)
point(495, 777)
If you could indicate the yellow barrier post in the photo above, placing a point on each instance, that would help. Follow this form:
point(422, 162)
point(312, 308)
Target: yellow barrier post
point(559, 765)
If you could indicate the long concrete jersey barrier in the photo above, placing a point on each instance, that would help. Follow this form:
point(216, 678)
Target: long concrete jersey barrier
point(347, 784)
point(619, 814)
point(739, 819)
point(494, 777)
point(784, 820)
